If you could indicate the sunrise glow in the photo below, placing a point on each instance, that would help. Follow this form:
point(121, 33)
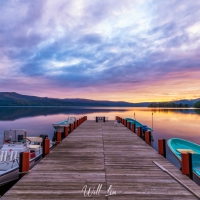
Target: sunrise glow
point(134, 51)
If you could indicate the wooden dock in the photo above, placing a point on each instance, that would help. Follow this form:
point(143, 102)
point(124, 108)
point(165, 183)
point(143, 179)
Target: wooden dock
point(100, 153)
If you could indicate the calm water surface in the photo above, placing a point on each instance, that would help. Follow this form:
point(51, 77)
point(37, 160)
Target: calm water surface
point(167, 123)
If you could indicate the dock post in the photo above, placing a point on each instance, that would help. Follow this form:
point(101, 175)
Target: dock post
point(104, 119)
point(139, 132)
point(72, 127)
point(129, 125)
point(116, 117)
point(46, 147)
point(74, 124)
point(58, 137)
point(24, 164)
point(66, 130)
point(148, 137)
point(85, 118)
point(133, 128)
point(125, 123)
point(162, 147)
point(96, 119)
point(187, 164)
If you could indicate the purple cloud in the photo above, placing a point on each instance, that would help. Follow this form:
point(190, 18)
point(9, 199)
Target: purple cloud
point(93, 44)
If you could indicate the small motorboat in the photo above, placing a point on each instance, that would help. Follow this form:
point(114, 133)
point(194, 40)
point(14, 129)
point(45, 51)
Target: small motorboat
point(59, 126)
point(178, 146)
point(15, 142)
point(138, 124)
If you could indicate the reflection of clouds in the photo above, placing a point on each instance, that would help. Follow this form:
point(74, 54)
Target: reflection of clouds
point(175, 110)
point(150, 48)
point(173, 119)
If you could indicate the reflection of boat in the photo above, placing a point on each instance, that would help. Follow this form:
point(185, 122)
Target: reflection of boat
point(178, 146)
point(59, 126)
point(15, 142)
point(138, 124)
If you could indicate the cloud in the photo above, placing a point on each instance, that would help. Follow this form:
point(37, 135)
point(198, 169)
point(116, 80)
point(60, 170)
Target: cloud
point(91, 46)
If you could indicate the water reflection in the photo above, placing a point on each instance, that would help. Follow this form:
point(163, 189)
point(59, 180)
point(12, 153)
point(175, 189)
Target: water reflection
point(167, 123)
point(13, 113)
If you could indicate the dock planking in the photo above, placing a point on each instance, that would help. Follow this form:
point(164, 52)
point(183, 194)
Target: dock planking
point(100, 153)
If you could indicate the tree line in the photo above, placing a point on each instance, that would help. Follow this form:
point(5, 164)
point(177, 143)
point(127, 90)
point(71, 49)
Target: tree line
point(173, 105)
point(168, 105)
point(197, 104)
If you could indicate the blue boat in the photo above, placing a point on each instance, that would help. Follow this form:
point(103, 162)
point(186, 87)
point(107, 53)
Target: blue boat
point(59, 126)
point(138, 124)
point(178, 146)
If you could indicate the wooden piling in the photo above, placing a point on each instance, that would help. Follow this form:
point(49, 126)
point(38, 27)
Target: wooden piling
point(187, 164)
point(66, 130)
point(46, 146)
point(125, 123)
point(24, 163)
point(162, 147)
point(133, 128)
point(58, 137)
point(72, 127)
point(129, 125)
point(148, 137)
point(139, 132)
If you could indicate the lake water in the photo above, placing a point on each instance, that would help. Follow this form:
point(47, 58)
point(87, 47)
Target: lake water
point(166, 123)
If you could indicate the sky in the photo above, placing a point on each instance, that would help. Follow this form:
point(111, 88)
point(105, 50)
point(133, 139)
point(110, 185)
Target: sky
point(120, 50)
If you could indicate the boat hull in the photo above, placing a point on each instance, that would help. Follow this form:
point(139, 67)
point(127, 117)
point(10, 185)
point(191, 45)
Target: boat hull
point(14, 174)
point(138, 124)
point(176, 145)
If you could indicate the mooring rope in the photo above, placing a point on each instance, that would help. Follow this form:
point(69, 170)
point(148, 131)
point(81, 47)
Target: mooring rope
point(185, 186)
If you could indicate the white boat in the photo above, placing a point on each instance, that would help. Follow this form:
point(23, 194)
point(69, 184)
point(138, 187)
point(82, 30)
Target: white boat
point(59, 126)
point(15, 142)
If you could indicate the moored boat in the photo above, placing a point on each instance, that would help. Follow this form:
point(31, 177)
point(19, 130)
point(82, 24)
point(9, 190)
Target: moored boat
point(15, 142)
point(59, 126)
point(178, 146)
point(138, 124)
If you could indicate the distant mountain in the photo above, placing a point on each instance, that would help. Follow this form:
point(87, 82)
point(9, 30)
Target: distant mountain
point(189, 102)
point(15, 99)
